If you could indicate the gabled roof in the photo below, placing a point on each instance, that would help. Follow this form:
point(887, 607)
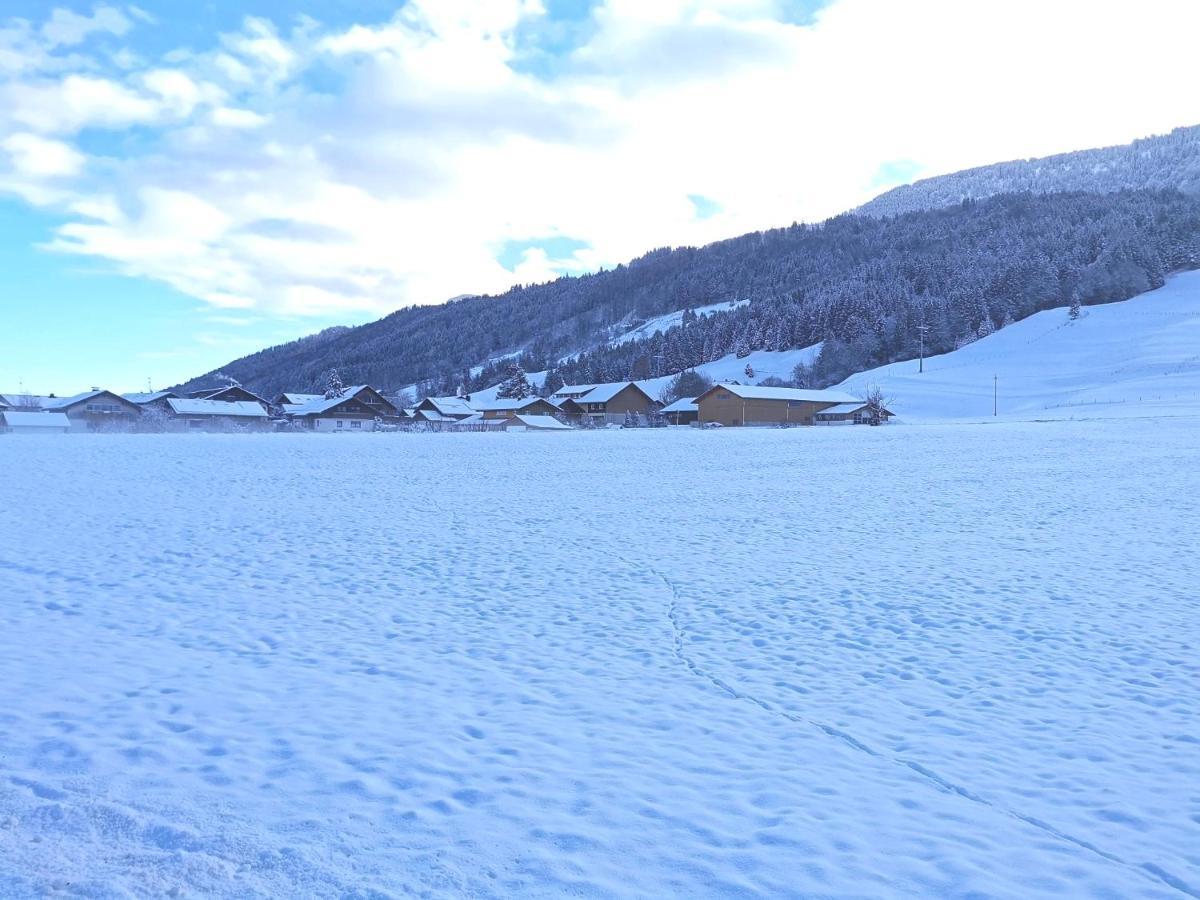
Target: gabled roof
point(842, 409)
point(20, 418)
point(187, 406)
point(594, 393)
point(61, 403)
point(323, 404)
point(294, 399)
point(541, 423)
point(756, 392)
point(449, 406)
point(508, 403)
point(141, 399)
point(477, 421)
point(683, 404)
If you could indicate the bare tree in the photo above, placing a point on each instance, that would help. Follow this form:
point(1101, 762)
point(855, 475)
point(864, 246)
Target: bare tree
point(877, 404)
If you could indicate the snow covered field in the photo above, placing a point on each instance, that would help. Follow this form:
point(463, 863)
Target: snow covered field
point(1138, 357)
point(947, 660)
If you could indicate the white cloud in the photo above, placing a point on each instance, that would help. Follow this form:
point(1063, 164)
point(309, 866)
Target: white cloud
point(40, 157)
point(424, 147)
point(66, 28)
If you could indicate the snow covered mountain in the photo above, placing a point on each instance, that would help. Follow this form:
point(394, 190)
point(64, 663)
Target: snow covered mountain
point(1169, 161)
point(1137, 357)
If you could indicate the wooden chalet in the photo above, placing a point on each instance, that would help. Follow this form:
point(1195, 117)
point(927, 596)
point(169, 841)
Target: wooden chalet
point(94, 410)
point(197, 415)
point(602, 404)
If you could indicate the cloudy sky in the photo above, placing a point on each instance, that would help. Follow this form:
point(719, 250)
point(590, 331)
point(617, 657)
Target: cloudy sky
point(182, 183)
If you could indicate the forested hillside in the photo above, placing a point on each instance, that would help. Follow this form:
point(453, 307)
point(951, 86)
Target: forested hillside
point(862, 284)
point(1169, 161)
point(865, 286)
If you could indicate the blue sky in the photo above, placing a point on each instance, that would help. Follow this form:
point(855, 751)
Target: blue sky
point(181, 184)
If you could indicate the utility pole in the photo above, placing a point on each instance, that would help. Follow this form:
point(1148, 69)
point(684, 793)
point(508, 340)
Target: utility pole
point(995, 395)
point(922, 328)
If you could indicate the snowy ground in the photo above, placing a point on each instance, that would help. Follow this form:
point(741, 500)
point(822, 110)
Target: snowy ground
point(946, 660)
point(1139, 357)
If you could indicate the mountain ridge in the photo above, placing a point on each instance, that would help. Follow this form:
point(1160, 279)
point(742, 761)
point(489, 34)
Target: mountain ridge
point(573, 318)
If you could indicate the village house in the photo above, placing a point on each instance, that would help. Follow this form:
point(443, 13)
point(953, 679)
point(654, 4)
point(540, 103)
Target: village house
point(146, 398)
point(334, 415)
point(233, 393)
point(383, 407)
point(476, 422)
point(857, 413)
point(602, 404)
point(524, 422)
point(683, 411)
point(20, 421)
point(440, 410)
point(743, 404)
point(507, 408)
point(94, 410)
point(188, 414)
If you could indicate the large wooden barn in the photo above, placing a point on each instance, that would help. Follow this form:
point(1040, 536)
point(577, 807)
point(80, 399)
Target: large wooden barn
point(745, 404)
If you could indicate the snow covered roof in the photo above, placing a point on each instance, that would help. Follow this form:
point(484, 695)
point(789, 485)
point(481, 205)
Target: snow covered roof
point(591, 393)
point(842, 409)
point(756, 392)
point(477, 421)
point(141, 399)
point(43, 402)
point(505, 404)
point(683, 404)
point(16, 418)
point(293, 399)
point(315, 407)
point(542, 423)
point(186, 406)
point(451, 406)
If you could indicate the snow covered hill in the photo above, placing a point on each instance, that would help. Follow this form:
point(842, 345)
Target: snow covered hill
point(1138, 357)
point(670, 320)
point(764, 363)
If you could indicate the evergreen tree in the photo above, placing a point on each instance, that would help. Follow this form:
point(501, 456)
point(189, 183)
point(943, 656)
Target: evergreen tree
point(333, 385)
point(516, 386)
point(749, 370)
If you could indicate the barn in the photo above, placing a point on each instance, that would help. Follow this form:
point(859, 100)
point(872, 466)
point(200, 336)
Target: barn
point(745, 404)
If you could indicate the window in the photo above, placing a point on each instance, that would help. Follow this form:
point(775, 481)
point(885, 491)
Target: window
point(340, 423)
point(194, 423)
point(356, 424)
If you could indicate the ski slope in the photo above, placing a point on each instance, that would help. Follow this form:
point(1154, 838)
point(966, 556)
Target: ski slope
point(621, 663)
point(670, 320)
point(765, 363)
point(1139, 357)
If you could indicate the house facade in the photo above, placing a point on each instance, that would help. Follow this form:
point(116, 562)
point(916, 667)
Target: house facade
point(850, 414)
point(683, 411)
point(741, 404)
point(506, 409)
point(383, 407)
point(602, 404)
point(338, 415)
point(94, 410)
point(191, 415)
point(233, 393)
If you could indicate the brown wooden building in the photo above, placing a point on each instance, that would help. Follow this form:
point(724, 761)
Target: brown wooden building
point(742, 404)
point(603, 404)
point(506, 409)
